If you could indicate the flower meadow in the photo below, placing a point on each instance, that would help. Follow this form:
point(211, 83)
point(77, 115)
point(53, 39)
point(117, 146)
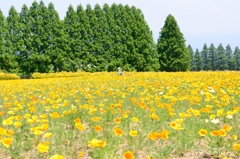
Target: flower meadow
point(105, 116)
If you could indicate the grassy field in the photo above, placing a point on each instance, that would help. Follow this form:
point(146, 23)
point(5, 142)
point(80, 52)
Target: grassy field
point(106, 116)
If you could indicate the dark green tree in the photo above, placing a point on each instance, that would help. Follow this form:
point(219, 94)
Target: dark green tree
point(14, 38)
point(197, 61)
point(191, 56)
point(57, 42)
point(229, 55)
point(205, 58)
point(213, 57)
point(146, 58)
point(7, 63)
point(222, 58)
point(236, 58)
point(173, 53)
point(85, 38)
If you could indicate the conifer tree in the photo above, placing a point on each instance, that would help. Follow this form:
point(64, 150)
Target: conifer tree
point(236, 59)
point(197, 61)
point(205, 58)
point(85, 35)
point(173, 53)
point(14, 38)
point(147, 58)
point(7, 62)
point(191, 56)
point(213, 57)
point(25, 41)
point(229, 57)
point(222, 58)
point(57, 42)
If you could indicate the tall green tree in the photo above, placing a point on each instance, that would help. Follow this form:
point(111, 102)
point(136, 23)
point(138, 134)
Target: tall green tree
point(191, 56)
point(7, 62)
point(85, 38)
point(229, 55)
point(213, 57)
point(14, 37)
point(147, 57)
point(236, 58)
point(38, 56)
point(113, 61)
point(57, 42)
point(222, 58)
point(173, 53)
point(205, 58)
point(25, 41)
point(197, 61)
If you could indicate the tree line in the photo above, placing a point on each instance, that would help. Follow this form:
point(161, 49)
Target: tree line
point(92, 39)
point(214, 59)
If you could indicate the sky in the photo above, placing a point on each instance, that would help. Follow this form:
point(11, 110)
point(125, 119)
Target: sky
point(200, 21)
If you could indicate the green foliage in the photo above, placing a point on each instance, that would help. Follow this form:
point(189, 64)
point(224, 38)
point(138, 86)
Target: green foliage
point(192, 65)
point(205, 58)
point(197, 61)
point(213, 57)
point(173, 53)
point(222, 58)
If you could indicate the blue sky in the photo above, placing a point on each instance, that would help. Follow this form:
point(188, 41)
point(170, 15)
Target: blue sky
point(201, 21)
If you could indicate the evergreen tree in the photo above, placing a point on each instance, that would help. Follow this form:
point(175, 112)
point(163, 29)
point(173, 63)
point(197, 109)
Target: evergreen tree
point(113, 61)
point(38, 56)
point(85, 38)
point(197, 61)
point(57, 42)
point(229, 57)
point(14, 38)
point(7, 62)
point(205, 58)
point(222, 58)
point(213, 57)
point(173, 53)
point(236, 59)
point(100, 39)
point(191, 56)
point(146, 57)
point(25, 41)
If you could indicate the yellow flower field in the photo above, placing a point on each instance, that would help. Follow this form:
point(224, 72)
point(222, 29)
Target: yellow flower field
point(106, 116)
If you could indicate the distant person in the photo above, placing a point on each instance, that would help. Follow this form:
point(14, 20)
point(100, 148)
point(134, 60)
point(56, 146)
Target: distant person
point(120, 71)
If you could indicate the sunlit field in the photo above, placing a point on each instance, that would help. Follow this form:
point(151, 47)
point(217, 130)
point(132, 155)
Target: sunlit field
point(106, 116)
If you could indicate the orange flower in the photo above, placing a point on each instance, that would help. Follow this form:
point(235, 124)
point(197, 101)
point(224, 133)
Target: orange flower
point(202, 132)
point(173, 125)
point(164, 134)
point(128, 155)
point(78, 120)
point(154, 135)
point(222, 132)
point(117, 120)
point(7, 142)
point(215, 133)
point(98, 128)
point(118, 131)
point(81, 154)
point(236, 147)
